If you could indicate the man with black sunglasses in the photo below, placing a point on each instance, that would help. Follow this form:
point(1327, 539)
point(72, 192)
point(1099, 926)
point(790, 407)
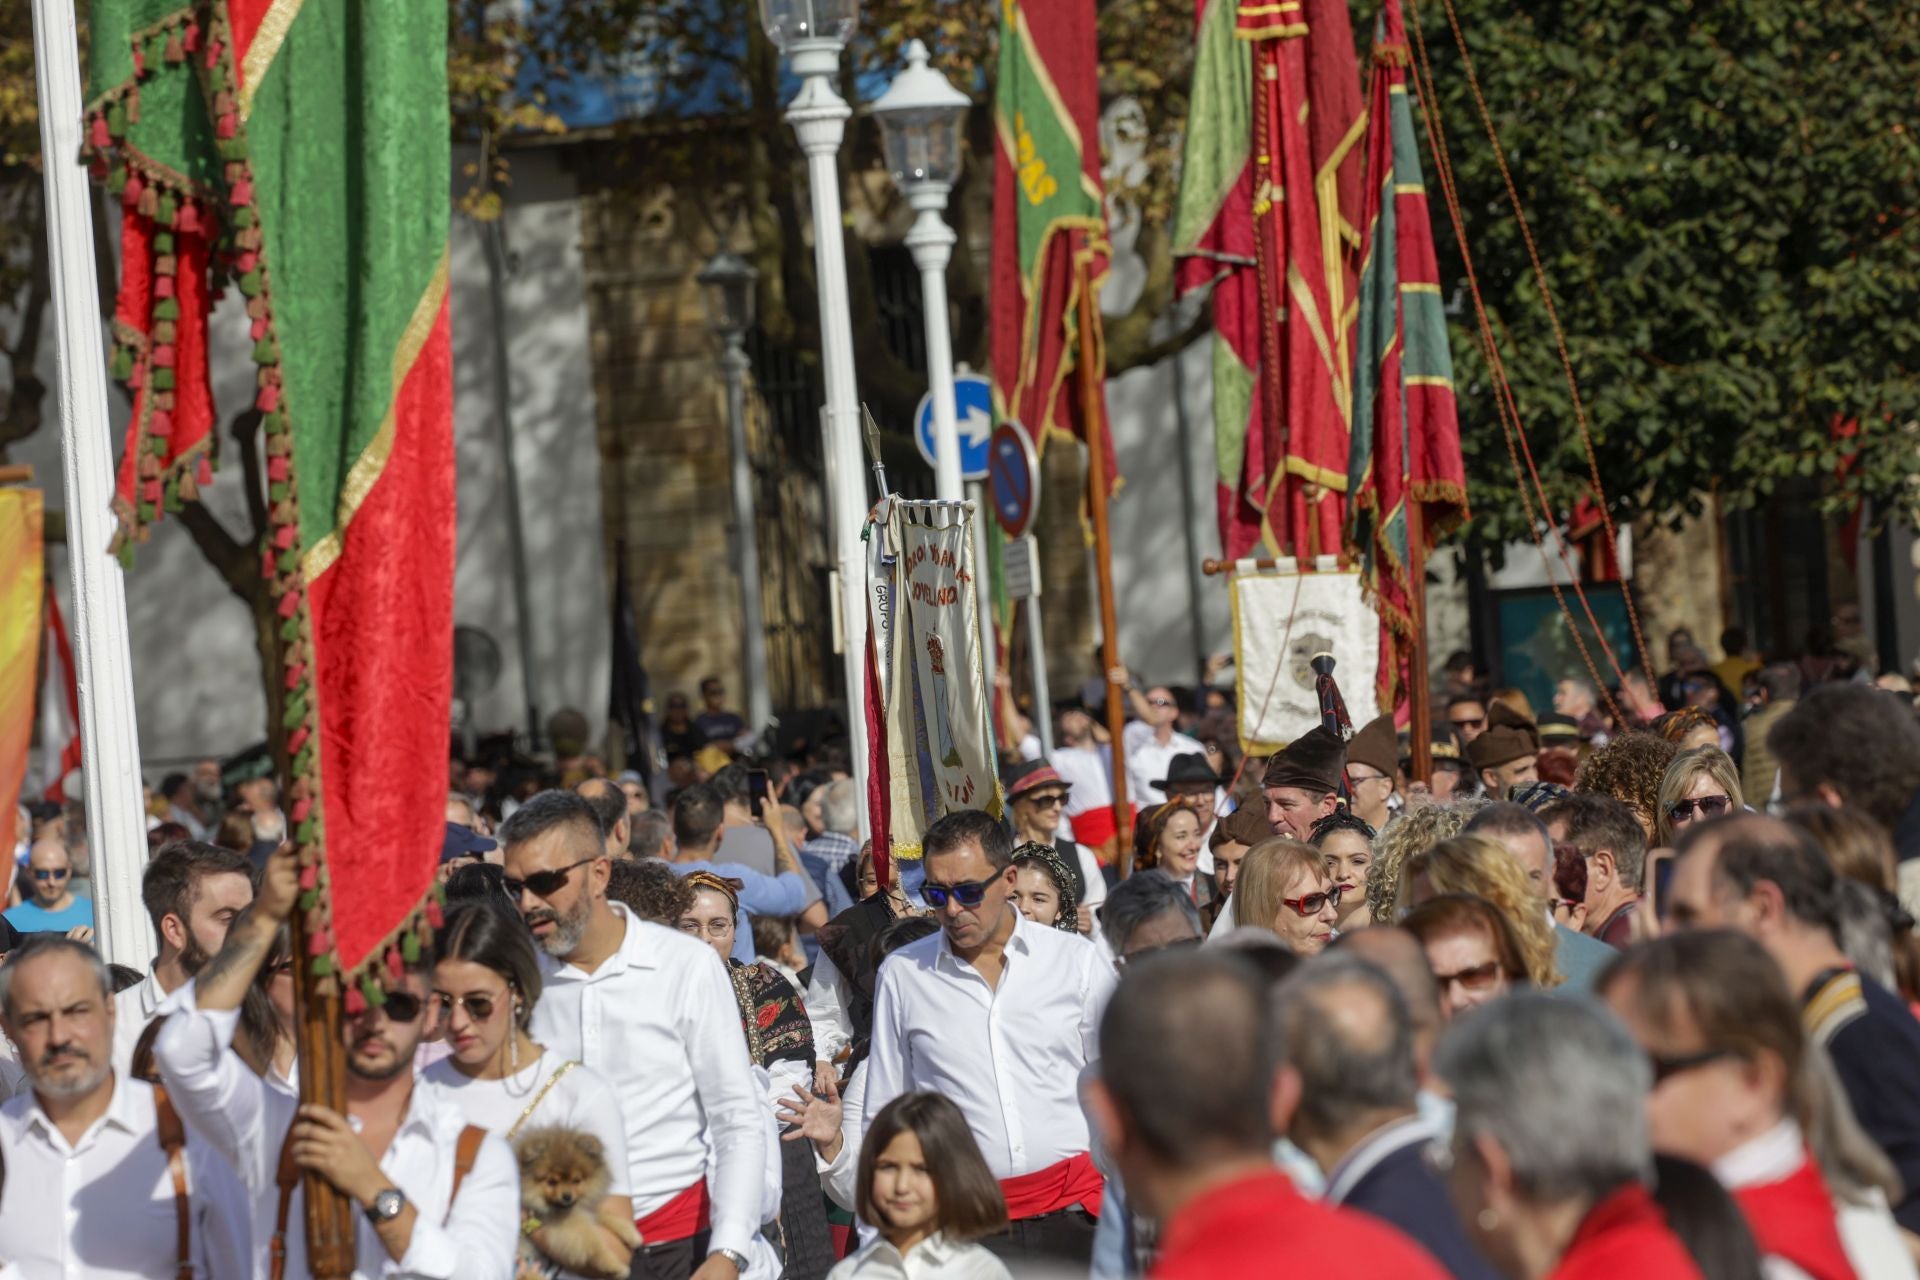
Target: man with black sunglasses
point(653, 1011)
point(396, 1151)
point(1000, 1015)
point(54, 906)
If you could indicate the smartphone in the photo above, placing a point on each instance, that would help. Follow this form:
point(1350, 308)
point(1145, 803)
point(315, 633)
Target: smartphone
point(1658, 879)
point(757, 790)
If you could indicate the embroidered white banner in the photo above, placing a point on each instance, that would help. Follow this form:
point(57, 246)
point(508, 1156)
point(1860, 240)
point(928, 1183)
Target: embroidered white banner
point(1282, 619)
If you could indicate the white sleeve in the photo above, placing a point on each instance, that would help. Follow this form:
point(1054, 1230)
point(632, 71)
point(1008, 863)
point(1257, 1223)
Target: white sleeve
point(217, 1094)
point(1099, 982)
point(784, 1076)
point(1096, 879)
point(735, 1105)
point(889, 1068)
point(482, 1232)
point(827, 1009)
point(223, 1225)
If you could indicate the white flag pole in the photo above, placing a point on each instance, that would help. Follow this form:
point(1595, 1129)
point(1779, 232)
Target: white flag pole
point(110, 744)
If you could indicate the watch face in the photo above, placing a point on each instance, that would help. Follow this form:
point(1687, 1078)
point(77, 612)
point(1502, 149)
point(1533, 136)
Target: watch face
point(387, 1205)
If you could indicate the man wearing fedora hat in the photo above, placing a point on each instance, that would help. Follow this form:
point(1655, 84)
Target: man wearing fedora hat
point(1190, 778)
point(1508, 753)
point(1036, 803)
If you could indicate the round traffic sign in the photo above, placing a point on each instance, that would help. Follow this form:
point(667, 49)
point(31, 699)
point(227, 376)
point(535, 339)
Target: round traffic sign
point(1013, 471)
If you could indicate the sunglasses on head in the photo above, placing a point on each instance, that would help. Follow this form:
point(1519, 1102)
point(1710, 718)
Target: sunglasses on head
point(1706, 806)
point(479, 1007)
point(52, 875)
point(544, 883)
point(1314, 903)
point(968, 895)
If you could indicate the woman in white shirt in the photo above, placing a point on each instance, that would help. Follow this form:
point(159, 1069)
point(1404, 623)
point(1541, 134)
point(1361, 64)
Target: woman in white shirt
point(928, 1192)
point(484, 986)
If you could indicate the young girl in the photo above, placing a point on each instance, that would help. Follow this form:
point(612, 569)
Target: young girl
point(926, 1189)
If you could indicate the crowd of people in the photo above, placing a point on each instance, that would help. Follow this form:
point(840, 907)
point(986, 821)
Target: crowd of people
point(1616, 991)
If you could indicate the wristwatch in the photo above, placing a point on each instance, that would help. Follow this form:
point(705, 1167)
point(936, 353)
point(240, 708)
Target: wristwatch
point(386, 1206)
point(739, 1260)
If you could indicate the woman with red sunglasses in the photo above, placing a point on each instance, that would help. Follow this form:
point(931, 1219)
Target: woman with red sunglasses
point(1284, 886)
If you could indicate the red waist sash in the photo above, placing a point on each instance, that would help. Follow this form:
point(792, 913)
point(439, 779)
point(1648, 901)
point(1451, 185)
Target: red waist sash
point(687, 1214)
point(1056, 1187)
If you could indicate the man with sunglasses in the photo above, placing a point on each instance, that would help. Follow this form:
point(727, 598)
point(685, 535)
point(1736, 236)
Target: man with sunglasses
point(1152, 743)
point(394, 1153)
point(1614, 845)
point(54, 906)
point(653, 1011)
point(1000, 1015)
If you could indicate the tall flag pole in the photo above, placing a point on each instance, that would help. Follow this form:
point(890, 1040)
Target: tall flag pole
point(301, 153)
point(1268, 216)
point(1050, 254)
point(1406, 475)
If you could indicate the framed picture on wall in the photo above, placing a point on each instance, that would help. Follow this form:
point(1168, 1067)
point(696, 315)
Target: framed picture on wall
point(1536, 641)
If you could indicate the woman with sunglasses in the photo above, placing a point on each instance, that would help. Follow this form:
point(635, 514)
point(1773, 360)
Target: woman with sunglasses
point(1470, 948)
point(485, 983)
point(780, 1042)
point(1701, 783)
point(1284, 886)
point(1482, 867)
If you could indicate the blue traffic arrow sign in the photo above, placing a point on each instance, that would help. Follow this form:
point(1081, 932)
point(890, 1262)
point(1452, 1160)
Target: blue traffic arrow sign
point(973, 417)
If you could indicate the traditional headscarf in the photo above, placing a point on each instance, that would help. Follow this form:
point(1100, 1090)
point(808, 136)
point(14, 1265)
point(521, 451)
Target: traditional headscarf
point(725, 886)
point(1056, 868)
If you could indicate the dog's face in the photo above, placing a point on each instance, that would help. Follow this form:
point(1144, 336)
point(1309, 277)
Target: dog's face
point(559, 1169)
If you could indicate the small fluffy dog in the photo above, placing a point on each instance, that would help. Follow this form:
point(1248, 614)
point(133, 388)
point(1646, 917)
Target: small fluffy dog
point(563, 1182)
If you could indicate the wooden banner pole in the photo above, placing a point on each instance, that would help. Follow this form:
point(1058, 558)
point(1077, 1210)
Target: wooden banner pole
point(1093, 406)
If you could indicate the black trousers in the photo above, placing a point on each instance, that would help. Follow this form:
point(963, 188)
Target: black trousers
point(1063, 1237)
point(674, 1260)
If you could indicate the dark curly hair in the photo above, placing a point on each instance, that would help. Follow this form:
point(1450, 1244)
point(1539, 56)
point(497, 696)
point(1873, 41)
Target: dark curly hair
point(1340, 820)
point(650, 890)
point(1629, 769)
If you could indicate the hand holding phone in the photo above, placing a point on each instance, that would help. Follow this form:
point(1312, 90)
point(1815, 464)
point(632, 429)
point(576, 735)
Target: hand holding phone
point(757, 792)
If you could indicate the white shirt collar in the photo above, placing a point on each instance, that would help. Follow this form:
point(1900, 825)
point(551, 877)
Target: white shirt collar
point(632, 953)
point(1020, 940)
point(122, 1113)
point(933, 1251)
point(1778, 1153)
point(1366, 1155)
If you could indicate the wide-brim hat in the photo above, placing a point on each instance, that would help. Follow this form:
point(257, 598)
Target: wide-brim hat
point(1030, 775)
point(1188, 769)
point(1315, 761)
point(1509, 736)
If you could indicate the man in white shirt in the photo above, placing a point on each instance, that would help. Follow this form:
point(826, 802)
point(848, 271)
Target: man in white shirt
point(395, 1153)
point(653, 1011)
point(1152, 743)
point(1086, 767)
point(91, 1191)
point(192, 892)
point(1000, 1015)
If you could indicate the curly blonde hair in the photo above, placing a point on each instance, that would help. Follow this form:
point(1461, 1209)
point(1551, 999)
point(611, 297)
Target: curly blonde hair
point(1482, 867)
point(1416, 830)
point(1629, 769)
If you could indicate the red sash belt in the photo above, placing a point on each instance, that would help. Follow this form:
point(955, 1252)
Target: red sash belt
point(687, 1214)
point(1056, 1187)
point(1094, 827)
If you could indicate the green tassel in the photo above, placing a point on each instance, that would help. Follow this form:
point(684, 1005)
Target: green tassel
point(320, 966)
point(169, 207)
point(231, 148)
point(287, 561)
point(309, 830)
point(163, 244)
point(117, 119)
point(120, 368)
point(125, 554)
point(277, 492)
point(167, 309)
point(371, 990)
point(172, 497)
point(250, 284)
point(309, 899)
point(266, 351)
point(275, 422)
point(147, 513)
point(290, 630)
point(410, 947)
point(242, 218)
point(117, 179)
point(303, 763)
point(163, 379)
point(296, 712)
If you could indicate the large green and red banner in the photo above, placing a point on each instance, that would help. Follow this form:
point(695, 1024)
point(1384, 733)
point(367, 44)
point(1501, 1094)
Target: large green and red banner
point(1049, 221)
point(298, 150)
point(1268, 216)
point(1406, 429)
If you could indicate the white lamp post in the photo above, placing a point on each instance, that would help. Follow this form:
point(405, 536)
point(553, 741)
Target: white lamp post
point(812, 34)
point(727, 282)
point(920, 116)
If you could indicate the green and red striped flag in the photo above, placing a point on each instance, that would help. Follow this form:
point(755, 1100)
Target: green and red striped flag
point(300, 151)
point(1268, 217)
point(1406, 429)
point(1049, 220)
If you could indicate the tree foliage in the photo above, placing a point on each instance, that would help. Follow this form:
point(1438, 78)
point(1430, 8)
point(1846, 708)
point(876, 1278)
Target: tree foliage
point(1724, 196)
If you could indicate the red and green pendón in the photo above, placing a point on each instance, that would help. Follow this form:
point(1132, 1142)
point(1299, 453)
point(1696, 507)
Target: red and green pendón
point(299, 152)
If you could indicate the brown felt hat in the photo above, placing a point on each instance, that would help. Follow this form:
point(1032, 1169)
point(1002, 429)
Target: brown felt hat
point(1377, 746)
point(1315, 762)
point(1509, 736)
point(1246, 826)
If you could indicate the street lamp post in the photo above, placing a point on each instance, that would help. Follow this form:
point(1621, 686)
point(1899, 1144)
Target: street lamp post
point(920, 116)
point(812, 34)
point(728, 283)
